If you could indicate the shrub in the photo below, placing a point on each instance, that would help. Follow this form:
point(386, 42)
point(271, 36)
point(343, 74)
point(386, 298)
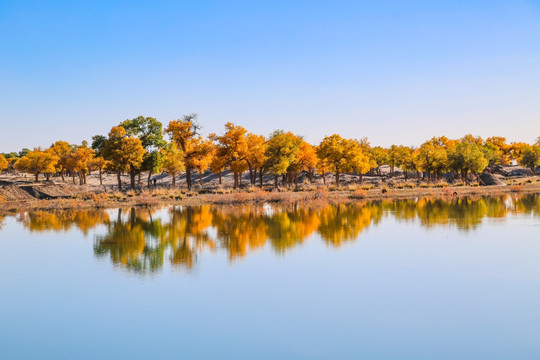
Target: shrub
point(516, 188)
point(100, 199)
point(359, 194)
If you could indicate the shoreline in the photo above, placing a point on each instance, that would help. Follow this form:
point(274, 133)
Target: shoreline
point(162, 197)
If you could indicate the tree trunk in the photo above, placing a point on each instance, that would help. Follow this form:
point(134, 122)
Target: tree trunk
point(250, 174)
point(200, 177)
point(149, 177)
point(324, 178)
point(188, 177)
point(62, 174)
point(119, 180)
point(100, 178)
point(132, 178)
point(219, 175)
point(337, 178)
point(276, 181)
point(48, 176)
point(235, 180)
point(37, 177)
point(173, 179)
point(261, 177)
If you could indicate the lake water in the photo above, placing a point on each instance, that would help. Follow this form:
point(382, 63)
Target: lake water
point(424, 279)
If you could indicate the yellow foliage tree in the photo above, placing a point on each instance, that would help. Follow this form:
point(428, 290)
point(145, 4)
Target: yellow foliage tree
point(282, 155)
point(124, 153)
point(3, 163)
point(218, 164)
point(38, 162)
point(202, 155)
point(173, 160)
point(99, 163)
point(342, 155)
point(79, 161)
point(232, 147)
point(307, 158)
point(183, 132)
point(256, 156)
point(61, 149)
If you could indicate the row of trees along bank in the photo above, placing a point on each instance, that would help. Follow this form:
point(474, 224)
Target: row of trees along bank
point(138, 145)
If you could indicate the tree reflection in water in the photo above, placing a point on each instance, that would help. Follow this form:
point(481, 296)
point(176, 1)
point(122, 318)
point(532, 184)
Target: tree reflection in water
point(140, 240)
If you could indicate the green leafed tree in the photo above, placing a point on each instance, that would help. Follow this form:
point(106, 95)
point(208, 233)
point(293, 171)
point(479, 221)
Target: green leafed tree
point(530, 157)
point(150, 132)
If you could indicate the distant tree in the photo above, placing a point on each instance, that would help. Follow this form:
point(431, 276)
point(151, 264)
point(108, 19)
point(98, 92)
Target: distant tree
point(24, 152)
point(10, 155)
point(183, 132)
point(307, 159)
point(61, 149)
point(152, 162)
point(342, 155)
point(79, 161)
point(37, 162)
point(411, 162)
point(530, 157)
point(124, 153)
point(281, 153)
point(467, 156)
point(99, 163)
point(380, 158)
point(202, 156)
point(3, 163)
point(515, 150)
point(218, 163)
point(396, 156)
point(323, 167)
point(432, 158)
point(492, 154)
point(173, 160)
point(497, 150)
point(150, 132)
point(232, 147)
point(98, 143)
point(255, 156)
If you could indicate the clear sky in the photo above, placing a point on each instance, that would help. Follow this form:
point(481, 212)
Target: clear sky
point(394, 71)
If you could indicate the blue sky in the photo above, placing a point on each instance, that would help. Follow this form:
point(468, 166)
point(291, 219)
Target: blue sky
point(394, 71)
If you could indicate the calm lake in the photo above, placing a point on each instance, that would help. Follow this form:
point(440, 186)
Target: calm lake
point(412, 279)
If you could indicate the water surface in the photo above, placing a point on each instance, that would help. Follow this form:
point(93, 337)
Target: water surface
point(412, 279)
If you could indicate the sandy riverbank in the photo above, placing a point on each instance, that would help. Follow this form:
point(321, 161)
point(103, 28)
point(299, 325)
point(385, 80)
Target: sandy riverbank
point(51, 196)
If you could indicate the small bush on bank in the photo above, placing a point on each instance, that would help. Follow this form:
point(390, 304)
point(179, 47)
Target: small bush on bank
point(359, 194)
point(516, 188)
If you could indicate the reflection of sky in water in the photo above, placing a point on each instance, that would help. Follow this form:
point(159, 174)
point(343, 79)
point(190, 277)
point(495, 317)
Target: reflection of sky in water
point(405, 280)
